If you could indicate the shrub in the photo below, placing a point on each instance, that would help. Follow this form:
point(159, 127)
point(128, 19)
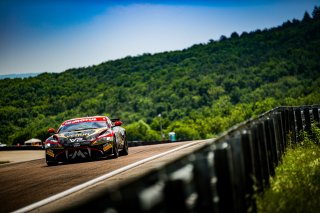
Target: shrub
point(296, 186)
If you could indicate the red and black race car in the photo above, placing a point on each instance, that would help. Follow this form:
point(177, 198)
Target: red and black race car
point(86, 138)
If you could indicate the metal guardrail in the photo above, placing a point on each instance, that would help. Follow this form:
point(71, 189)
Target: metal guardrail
point(220, 177)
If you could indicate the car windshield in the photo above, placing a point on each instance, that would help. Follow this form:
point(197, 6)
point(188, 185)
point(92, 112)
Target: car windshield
point(82, 126)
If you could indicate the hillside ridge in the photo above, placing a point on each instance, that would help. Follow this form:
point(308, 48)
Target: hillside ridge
point(199, 91)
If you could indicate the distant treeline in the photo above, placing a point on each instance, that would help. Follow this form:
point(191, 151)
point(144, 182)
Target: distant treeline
point(199, 91)
point(23, 75)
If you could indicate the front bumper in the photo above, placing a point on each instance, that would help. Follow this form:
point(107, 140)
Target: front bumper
point(62, 154)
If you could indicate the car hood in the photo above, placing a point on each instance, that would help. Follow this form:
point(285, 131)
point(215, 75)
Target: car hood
point(80, 136)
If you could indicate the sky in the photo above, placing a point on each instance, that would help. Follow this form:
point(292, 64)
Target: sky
point(55, 35)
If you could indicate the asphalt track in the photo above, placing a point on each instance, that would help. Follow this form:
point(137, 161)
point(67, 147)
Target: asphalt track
point(25, 183)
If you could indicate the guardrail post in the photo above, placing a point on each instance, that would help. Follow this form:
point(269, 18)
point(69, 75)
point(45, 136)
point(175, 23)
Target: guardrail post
point(175, 196)
point(271, 150)
point(307, 119)
point(278, 135)
point(299, 124)
point(205, 182)
point(280, 131)
point(292, 125)
point(180, 192)
point(222, 159)
point(248, 157)
point(136, 196)
point(258, 170)
point(238, 178)
point(315, 111)
point(264, 154)
point(284, 126)
point(277, 149)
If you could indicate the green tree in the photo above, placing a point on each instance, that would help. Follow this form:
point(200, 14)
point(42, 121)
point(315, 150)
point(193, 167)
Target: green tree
point(316, 13)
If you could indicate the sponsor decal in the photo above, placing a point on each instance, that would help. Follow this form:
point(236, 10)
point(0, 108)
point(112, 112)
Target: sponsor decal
point(50, 153)
point(78, 153)
point(76, 144)
point(58, 147)
point(106, 148)
point(96, 143)
point(78, 135)
point(72, 140)
point(80, 120)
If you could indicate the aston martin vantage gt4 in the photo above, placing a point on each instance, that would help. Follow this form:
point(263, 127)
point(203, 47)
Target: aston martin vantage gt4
point(86, 138)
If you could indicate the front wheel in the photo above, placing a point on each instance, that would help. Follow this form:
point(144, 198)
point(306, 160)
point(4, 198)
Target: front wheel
point(51, 161)
point(115, 149)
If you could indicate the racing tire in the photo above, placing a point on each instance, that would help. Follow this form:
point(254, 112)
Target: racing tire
point(125, 150)
point(115, 149)
point(51, 162)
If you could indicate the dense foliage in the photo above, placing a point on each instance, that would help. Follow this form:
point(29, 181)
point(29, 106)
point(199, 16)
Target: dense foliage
point(199, 91)
point(296, 185)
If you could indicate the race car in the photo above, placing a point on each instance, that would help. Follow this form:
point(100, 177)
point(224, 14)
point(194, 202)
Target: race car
point(86, 138)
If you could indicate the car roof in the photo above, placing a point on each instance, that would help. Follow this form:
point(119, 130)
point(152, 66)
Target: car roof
point(84, 119)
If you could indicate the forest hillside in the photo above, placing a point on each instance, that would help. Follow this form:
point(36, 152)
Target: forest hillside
point(199, 91)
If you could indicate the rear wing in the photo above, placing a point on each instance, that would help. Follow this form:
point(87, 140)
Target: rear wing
point(115, 119)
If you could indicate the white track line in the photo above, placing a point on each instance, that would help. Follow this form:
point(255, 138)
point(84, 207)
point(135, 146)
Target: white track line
point(96, 180)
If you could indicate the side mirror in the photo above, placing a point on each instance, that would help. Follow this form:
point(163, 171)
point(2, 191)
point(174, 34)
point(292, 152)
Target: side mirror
point(51, 130)
point(118, 123)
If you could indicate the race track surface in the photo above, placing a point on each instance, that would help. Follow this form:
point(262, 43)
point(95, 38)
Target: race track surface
point(24, 183)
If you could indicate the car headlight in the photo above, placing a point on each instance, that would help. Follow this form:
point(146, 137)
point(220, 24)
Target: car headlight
point(91, 138)
point(104, 139)
point(51, 144)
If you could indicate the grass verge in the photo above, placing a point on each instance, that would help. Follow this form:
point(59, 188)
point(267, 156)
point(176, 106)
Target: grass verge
point(296, 186)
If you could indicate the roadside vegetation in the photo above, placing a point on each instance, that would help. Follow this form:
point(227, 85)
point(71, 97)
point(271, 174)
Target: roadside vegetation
point(200, 91)
point(296, 185)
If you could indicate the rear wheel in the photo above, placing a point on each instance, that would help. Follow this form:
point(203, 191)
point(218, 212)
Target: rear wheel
point(115, 149)
point(125, 150)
